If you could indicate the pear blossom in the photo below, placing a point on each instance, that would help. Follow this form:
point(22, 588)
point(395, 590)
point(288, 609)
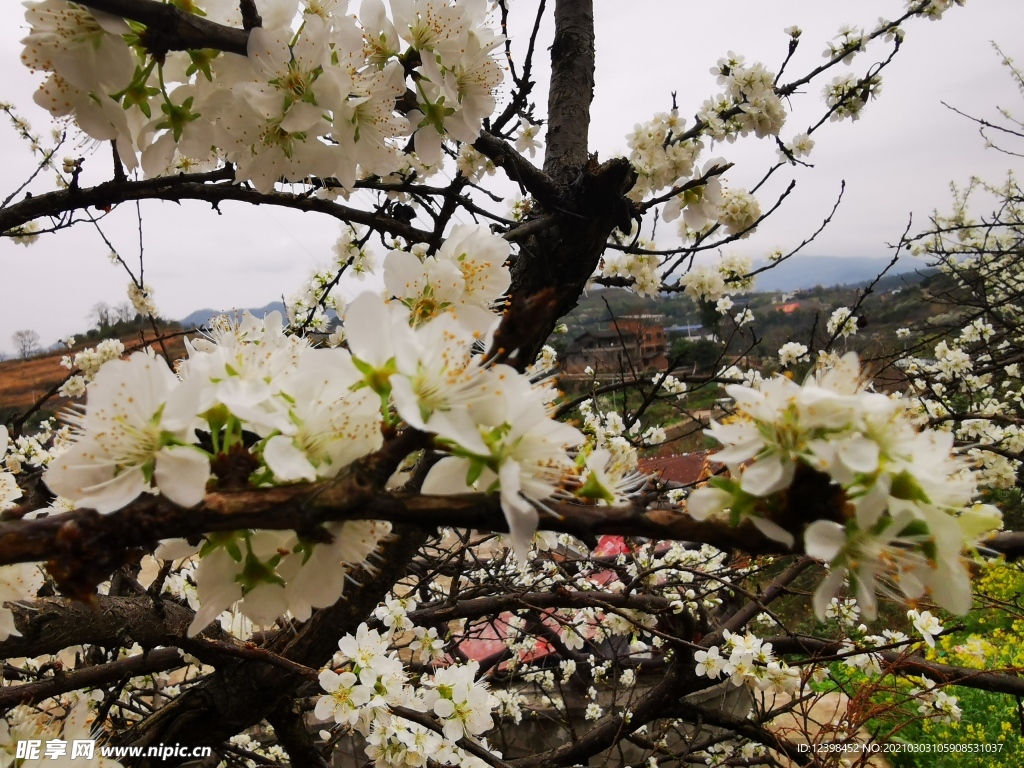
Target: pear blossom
point(928, 625)
point(137, 430)
point(709, 663)
point(526, 457)
point(21, 581)
point(347, 697)
point(428, 644)
point(463, 705)
point(791, 352)
point(333, 425)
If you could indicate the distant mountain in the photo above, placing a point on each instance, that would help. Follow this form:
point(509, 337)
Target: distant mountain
point(203, 316)
point(802, 272)
point(794, 274)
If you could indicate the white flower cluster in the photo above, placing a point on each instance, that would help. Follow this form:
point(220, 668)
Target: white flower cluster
point(659, 161)
point(28, 452)
point(847, 95)
point(747, 660)
point(711, 282)
point(641, 268)
point(274, 410)
point(907, 510)
point(55, 736)
point(792, 352)
point(799, 146)
point(673, 386)
point(89, 360)
point(842, 323)
point(748, 105)
point(738, 212)
point(141, 297)
point(372, 680)
point(316, 100)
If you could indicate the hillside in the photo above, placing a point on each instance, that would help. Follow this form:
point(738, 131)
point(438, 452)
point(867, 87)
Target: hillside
point(803, 272)
point(24, 382)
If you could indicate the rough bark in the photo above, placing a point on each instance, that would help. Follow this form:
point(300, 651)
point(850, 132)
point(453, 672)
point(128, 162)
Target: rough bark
point(571, 90)
point(50, 624)
point(555, 263)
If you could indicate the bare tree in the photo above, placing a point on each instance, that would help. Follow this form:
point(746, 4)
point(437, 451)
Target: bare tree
point(26, 342)
point(123, 312)
point(102, 313)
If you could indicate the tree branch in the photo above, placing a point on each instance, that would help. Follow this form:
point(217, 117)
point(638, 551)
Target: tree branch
point(160, 660)
point(193, 187)
point(172, 29)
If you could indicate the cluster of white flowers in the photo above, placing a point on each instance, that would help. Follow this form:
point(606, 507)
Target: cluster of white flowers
point(314, 411)
point(642, 269)
point(792, 352)
point(936, 703)
point(59, 740)
point(659, 161)
point(749, 103)
point(909, 500)
point(845, 610)
point(89, 360)
point(316, 100)
point(799, 146)
point(17, 582)
point(846, 44)
point(141, 297)
point(672, 386)
point(367, 680)
point(747, 660)
point(27, 453)
point(712, 282)
point(847, 95)
point(842, 323)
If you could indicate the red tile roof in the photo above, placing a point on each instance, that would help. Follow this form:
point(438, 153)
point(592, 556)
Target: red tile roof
point(679, 468)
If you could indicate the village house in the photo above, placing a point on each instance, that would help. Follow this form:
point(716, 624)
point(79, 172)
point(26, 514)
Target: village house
point(636, 342)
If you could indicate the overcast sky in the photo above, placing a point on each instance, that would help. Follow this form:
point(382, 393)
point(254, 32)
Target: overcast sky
point(897, 160)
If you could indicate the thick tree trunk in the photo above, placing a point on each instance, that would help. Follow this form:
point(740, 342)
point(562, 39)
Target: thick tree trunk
point(555, 264)
point(571, 91)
